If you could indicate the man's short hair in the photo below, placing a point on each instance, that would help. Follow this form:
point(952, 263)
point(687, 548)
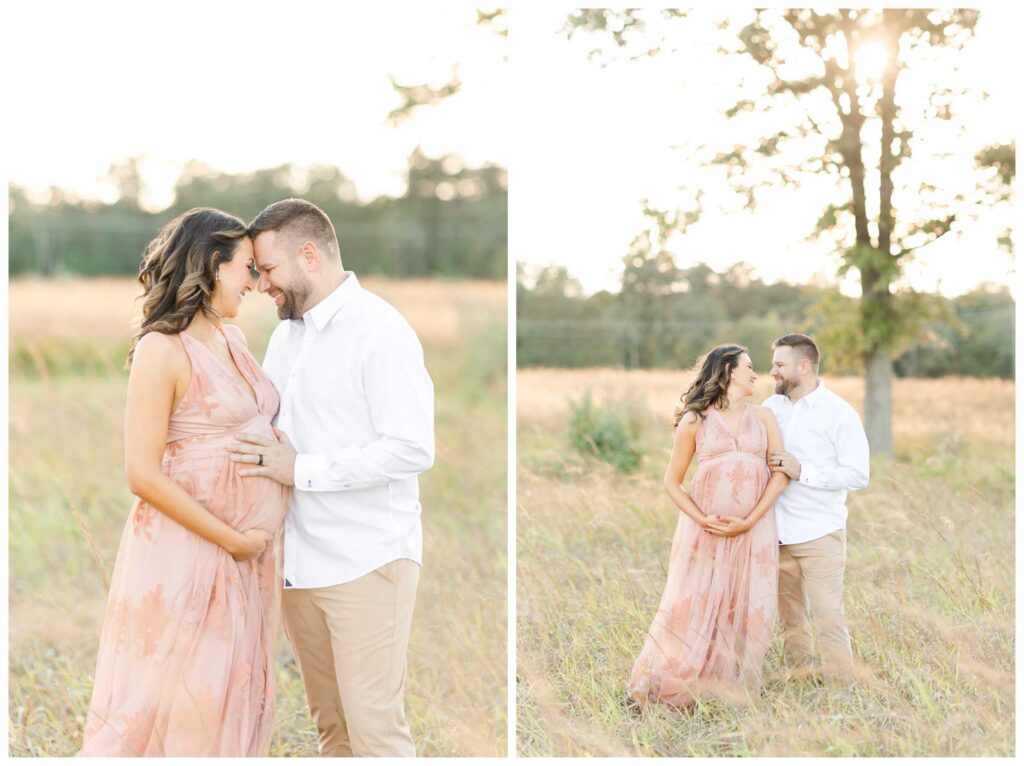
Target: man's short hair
point(804, 345)
point(297, 221)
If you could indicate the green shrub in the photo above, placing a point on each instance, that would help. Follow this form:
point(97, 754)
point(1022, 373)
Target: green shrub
point(611, 431)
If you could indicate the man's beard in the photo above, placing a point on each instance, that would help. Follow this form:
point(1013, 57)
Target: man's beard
point(294, 301)
point(785, 385)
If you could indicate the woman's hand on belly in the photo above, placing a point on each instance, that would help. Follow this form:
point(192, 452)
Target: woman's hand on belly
point(727, 526)
point(251, 544)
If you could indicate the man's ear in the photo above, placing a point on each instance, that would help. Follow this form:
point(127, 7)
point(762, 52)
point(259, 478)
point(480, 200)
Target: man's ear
point(310, 256)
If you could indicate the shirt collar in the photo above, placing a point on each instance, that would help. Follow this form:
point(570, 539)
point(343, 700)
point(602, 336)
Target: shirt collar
point(816, 395)
point(324, 311)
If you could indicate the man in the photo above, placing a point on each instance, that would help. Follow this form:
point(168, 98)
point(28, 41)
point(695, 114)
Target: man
point(357, 403)
point(826, 455)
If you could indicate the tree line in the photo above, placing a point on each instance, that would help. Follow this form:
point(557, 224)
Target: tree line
point(452, 220)
point(666, 317)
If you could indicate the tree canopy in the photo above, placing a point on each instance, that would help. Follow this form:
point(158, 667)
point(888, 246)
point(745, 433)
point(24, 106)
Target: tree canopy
point(855, 103)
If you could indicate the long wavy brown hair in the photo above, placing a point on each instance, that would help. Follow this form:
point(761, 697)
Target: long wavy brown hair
point(179, 268)
point(711, 386)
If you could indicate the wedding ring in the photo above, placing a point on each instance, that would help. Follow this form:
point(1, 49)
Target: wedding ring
point(261, 459)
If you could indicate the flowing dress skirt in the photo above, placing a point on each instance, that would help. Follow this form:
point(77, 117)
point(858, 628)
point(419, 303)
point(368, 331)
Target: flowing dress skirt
point(710, 634)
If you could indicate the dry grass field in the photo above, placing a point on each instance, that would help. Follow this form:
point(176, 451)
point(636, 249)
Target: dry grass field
point(67, 385)
point(929, 585)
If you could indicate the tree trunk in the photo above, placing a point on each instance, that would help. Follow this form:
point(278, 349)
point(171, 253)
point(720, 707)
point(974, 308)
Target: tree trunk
point(851, 143)
point(878, 402)
point(877, 301)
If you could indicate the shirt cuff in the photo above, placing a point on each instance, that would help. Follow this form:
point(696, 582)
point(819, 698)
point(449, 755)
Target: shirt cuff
point(309, 468)
point(806, 475)
point(312, 472)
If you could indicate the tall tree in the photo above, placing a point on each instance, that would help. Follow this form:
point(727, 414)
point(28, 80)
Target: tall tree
point(835, 83)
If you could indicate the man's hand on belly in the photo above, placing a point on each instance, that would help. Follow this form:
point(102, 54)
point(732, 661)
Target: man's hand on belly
point(261, 456)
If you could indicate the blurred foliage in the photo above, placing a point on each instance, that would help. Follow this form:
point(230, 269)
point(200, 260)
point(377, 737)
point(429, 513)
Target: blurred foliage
point(666, 317)
point(611, 431)
point(421, 94)
point(1001, 157)
point(452, 220)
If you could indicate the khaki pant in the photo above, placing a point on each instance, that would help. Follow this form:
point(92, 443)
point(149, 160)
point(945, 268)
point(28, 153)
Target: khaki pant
point(350, 643)
point(811, 591)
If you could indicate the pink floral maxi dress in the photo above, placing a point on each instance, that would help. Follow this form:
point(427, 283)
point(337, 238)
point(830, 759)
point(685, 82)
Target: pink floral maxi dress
point(186, 657)
point(712, 628)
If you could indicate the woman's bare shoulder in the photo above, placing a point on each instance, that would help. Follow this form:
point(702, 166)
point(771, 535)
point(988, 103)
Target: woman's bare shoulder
point(154, 343)
point(764, 414)
point(688, 422)
point(158, 352)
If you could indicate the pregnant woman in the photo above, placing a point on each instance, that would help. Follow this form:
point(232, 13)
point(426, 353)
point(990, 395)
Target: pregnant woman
point(186, 660)
point(710, 634)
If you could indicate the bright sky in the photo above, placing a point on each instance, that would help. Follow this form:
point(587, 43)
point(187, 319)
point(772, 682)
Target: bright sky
point(600, 140)
point(241, 86)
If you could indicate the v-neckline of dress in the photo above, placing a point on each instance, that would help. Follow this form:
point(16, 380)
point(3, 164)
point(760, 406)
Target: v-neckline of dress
point(739, 427)
point(242, 384)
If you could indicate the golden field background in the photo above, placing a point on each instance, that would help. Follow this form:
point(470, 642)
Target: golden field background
point(929, 584)
point(68, 339)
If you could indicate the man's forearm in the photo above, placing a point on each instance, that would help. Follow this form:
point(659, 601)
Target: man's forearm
point(354, 468)
point(834, 478)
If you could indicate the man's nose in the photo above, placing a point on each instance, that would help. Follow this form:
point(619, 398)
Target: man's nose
point(263, 283)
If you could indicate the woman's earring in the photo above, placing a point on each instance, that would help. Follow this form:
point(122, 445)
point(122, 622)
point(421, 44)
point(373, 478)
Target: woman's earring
point(218, 276)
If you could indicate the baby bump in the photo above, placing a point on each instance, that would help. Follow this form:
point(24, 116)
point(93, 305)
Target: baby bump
point(730, 485)
point(208, 474)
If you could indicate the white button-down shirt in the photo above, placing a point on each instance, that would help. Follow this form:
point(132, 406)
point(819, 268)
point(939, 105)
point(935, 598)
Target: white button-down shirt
point(824, 433)
point(358, 404)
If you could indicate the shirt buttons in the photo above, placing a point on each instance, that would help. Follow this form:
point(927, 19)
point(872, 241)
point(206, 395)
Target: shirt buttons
point(347, 484)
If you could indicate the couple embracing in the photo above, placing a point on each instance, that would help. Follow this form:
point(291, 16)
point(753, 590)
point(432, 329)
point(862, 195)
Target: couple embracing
point(761, 533)
point(283, 492)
